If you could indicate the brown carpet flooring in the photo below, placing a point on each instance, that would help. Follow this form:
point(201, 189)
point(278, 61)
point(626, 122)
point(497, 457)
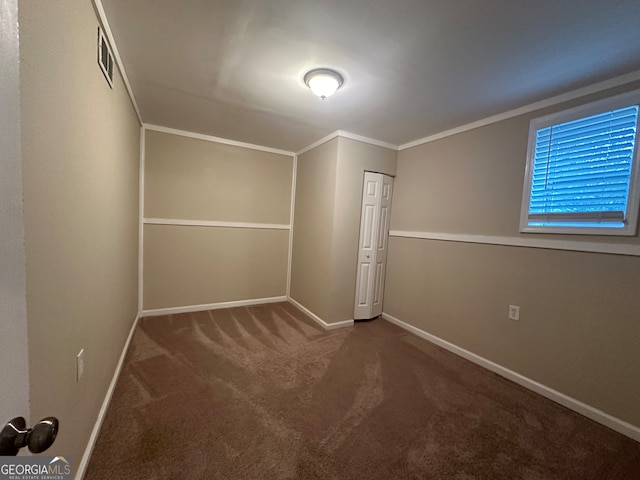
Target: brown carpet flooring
point(263, 392)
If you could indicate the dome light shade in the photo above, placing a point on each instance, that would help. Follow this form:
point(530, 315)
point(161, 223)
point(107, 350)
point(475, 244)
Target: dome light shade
point(323, 82)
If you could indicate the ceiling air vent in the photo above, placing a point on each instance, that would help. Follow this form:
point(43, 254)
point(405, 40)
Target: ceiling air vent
point(105, 59)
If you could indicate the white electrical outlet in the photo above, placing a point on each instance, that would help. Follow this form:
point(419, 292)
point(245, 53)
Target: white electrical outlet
point(79, 365)
point(514, 312)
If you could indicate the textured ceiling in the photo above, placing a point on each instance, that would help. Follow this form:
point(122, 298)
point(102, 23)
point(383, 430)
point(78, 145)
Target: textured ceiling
point(412, 68)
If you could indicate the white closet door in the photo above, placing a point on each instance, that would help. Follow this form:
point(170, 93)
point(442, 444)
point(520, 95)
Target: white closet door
point(372, 248)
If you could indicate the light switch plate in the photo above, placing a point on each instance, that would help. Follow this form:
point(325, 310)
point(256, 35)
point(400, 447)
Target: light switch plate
point(79, 365)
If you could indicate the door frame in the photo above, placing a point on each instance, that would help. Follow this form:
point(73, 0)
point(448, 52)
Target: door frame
point(14, 354)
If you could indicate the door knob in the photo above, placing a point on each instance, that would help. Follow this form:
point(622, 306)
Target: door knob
point(16, 435)
point(367, 255)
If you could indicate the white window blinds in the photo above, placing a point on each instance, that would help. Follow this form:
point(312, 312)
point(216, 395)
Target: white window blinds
point(581, 171)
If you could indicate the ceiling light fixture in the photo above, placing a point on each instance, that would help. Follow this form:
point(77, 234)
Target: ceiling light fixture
point(323, 81)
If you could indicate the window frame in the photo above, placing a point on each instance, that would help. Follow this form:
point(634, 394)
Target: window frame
point(633, 200)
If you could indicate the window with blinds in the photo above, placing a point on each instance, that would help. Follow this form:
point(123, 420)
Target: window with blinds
point(582, 170)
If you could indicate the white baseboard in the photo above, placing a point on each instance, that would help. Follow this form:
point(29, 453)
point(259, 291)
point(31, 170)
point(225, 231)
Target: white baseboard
point(325, 325)
point(588, 411)
point(211, 306)
point(82, 467)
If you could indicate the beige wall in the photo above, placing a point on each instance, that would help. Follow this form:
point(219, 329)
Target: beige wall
point(313, 228)
point(194, 179)
point(80, 147)
point(453, 184)
point(327, 223)
point(579, 327)
point(187, 265)
point(354, 158)
point(187, 178)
